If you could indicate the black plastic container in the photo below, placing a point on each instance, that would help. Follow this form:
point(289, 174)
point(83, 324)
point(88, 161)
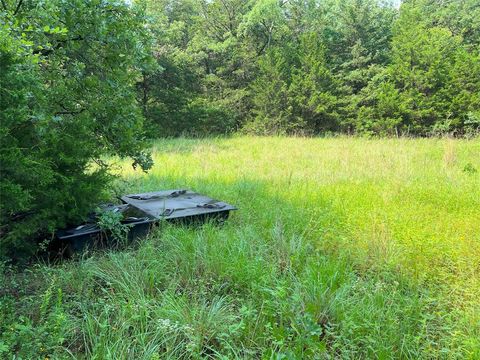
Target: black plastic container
point(140, 213)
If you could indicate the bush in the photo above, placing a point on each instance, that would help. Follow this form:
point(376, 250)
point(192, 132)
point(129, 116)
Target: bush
point(67, 99)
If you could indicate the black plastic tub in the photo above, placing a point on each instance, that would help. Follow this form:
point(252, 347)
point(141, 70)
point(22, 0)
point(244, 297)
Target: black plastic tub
point(90, 235)
point(75, 241)
point(140, 213)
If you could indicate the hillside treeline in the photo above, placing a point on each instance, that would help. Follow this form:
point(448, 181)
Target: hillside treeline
point(313, 67)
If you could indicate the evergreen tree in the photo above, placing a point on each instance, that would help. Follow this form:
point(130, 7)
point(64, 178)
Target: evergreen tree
point(68, 70)
point(271, 110)
point(419, 91)
point(313, 90)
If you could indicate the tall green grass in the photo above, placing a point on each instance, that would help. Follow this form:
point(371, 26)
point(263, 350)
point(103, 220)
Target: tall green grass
point(341, 248)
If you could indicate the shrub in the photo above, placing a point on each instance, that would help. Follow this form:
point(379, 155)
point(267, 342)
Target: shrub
point(67, 99)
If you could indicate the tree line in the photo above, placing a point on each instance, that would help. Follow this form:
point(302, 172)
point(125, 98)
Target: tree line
point(81, 80)
point(312, 67)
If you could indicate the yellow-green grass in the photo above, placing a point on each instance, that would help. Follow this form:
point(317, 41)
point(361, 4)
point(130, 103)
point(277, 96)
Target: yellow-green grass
point(341, 248)
point(408, 205)
point(411, 205)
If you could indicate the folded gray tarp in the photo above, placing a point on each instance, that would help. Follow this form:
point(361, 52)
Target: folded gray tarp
point(174, 204)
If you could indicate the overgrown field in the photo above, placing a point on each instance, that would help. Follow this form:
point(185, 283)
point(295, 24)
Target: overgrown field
point(341, 248)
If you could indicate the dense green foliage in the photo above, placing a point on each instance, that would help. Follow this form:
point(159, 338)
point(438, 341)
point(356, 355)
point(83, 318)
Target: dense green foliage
point(67, 82)
point(315, 66)
point(342, 248)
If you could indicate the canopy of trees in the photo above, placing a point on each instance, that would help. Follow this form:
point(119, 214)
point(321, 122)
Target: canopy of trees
point(84, 79)
point(314, 66)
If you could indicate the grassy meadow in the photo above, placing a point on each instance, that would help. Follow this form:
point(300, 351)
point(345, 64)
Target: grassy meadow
point(341, 248)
